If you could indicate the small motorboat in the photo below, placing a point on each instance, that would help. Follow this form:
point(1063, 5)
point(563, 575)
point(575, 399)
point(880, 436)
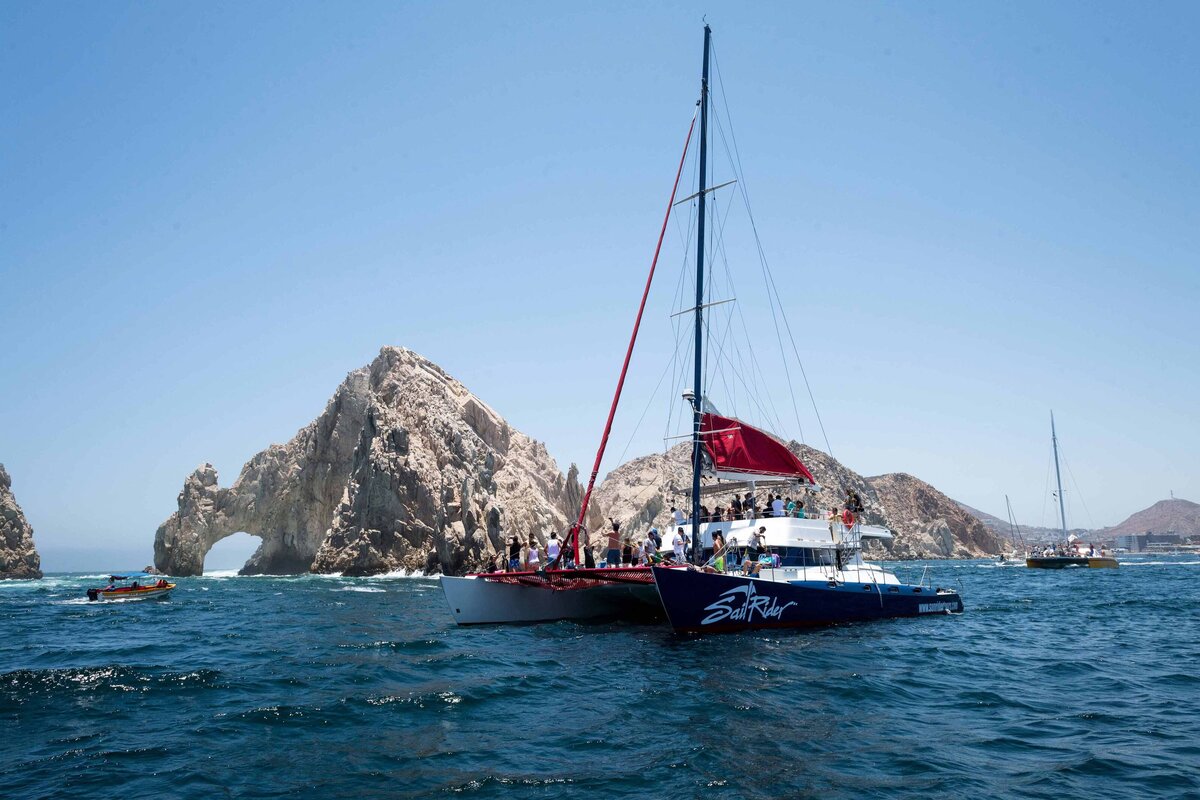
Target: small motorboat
point(132, 586)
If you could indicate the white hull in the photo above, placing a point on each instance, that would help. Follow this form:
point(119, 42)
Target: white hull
point(478, 601)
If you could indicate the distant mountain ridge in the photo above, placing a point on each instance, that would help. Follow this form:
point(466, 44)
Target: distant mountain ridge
point(1030, 533)
point(1174, 515)
point(1166, 516)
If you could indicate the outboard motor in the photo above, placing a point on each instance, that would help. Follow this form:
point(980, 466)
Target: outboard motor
point(93, 594)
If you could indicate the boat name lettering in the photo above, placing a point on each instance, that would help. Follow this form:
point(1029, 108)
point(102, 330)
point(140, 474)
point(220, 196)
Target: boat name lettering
point(753, 604)
point(934, 608)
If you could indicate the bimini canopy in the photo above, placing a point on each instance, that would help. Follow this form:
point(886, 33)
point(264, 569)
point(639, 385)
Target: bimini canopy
point(736, 447)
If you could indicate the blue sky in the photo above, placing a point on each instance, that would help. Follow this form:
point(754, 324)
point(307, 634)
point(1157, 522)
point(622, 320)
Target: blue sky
point(212, 212)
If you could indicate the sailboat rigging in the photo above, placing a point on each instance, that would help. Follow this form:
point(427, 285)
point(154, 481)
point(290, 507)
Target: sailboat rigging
point(792, 576)
point(796, 570)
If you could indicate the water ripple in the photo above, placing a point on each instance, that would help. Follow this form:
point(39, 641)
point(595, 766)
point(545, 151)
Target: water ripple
point(1077, 684)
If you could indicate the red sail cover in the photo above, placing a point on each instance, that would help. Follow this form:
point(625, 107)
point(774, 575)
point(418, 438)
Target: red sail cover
point(735, 446)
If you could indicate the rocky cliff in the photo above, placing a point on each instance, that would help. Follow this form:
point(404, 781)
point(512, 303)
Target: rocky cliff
point(18, 557)
point(405, 469)
point(926, 523)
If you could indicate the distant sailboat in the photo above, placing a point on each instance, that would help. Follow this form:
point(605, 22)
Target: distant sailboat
point(1014, 556)
point(1072, 552)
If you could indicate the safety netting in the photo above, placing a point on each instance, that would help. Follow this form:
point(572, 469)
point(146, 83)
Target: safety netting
point(572, 579)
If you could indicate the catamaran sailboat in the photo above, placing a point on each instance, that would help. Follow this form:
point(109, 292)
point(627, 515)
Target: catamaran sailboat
point(815, 574)
point(1074, 552)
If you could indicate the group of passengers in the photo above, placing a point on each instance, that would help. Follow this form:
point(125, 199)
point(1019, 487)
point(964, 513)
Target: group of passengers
point(527, 556)
point(746, 507)
point(754, 557)
point(630, 551)
point(1051, 551)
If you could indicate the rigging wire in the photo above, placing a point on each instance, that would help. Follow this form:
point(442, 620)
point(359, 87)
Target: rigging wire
point(1046, 488)
point(772, 422)
point(763, 260)
point(1078, 493)
point(771, 303)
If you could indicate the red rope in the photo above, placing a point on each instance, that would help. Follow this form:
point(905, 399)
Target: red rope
point(629, 352)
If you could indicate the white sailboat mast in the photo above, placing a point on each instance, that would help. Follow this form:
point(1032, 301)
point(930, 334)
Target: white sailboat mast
point(1062, 509)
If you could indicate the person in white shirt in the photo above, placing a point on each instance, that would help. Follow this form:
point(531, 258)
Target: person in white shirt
point(679, 543)
point(777, 507)
point(553, 547)
point(677, 515)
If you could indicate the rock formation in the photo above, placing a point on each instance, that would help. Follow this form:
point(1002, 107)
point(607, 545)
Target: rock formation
point(926, 523)
point(405, 469)
point(18, 557)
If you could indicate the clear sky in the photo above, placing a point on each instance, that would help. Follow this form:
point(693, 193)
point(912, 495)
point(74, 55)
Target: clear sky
point(211, 212)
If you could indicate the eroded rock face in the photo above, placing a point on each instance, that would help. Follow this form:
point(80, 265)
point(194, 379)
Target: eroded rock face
point(406, 469)
point(926, 523)
point(18, 557)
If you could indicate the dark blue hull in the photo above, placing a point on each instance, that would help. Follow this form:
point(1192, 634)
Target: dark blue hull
point(700, 602)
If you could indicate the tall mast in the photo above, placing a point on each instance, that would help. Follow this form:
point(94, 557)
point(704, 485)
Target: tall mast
point(698, 388)
point(1062, 509)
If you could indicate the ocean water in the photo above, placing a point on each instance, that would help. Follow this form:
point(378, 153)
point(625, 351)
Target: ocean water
point(1077, 684)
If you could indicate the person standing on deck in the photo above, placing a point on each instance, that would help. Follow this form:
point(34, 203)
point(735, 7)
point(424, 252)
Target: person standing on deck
point(736, 506)
point(651, 547)
point(589, 560)
point(777, 507)
point(614, 544)
point(677, 516)
point(514, 554)
point(679, 545)
point(553, 548)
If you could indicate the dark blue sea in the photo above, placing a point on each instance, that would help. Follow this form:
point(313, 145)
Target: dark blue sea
point(1075, 684)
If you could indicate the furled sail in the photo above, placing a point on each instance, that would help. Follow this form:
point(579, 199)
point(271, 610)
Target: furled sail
point(736, 447)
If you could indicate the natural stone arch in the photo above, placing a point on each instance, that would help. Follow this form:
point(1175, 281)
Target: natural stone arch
point(232, 552)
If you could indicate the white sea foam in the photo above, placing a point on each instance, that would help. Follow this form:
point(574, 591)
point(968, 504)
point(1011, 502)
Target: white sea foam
point(403, 573)
point(368, 589)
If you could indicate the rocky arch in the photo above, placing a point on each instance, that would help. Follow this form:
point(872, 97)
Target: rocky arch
point(405, 469)
point(232, 552)
point(290, 532)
